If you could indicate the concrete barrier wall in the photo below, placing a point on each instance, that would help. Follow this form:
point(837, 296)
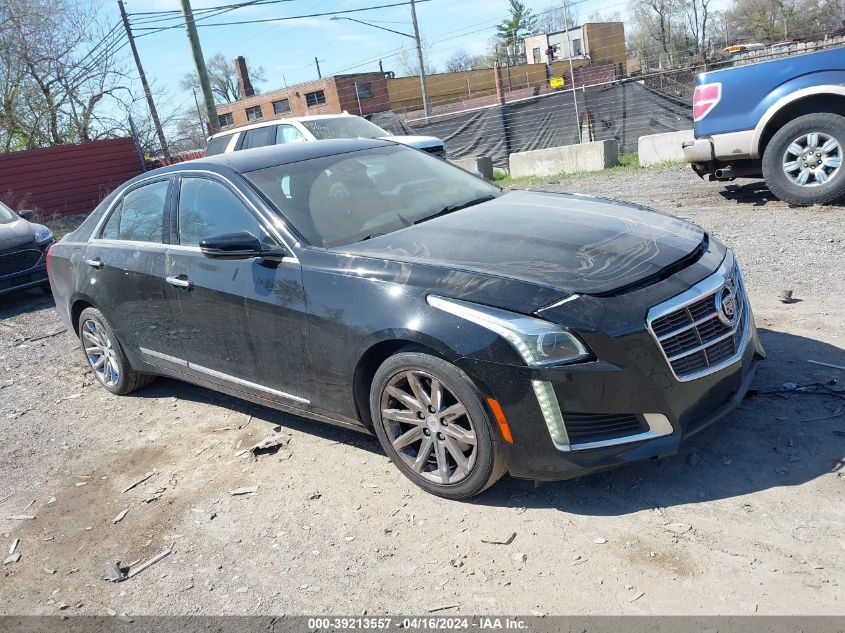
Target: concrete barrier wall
point(567, 159)
point(662, 148)
point(482, 165)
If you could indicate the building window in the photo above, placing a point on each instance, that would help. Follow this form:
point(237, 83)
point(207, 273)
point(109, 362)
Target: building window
point(576, 48)
point(535, 53)
point(225, 119)
point(281, 107)
point(253, 113)
point(316, 98)
point(365, 91)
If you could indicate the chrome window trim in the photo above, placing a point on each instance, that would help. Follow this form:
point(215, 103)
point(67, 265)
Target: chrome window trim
point(196, 249)
point(278, 227)
point(708, 286)
point(98, 229)
point(149, 246)
point(219, 374)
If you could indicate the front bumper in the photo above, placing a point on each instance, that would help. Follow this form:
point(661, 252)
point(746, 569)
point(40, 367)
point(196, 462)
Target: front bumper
point(632, 379)
point(29, 278)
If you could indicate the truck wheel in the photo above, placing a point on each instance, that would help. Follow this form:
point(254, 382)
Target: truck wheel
point(802, 163)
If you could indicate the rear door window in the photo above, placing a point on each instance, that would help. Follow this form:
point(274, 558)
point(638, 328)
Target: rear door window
point(288, 134)
point(218, 145)
point(139, 216)
point(259, 137)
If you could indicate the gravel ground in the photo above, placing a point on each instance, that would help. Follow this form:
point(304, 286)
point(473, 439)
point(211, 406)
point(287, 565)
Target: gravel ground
point(747, 519)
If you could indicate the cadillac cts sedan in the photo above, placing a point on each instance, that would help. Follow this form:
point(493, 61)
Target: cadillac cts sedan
point(363, 283)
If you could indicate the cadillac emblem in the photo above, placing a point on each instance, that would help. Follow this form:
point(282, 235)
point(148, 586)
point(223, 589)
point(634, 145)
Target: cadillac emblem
point(727, 305)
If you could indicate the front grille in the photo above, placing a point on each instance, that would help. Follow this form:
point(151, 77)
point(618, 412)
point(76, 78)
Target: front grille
point(19, 261)
point(698, 335)
point(595, 427)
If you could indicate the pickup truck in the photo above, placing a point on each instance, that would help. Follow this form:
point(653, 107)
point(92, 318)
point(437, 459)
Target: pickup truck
point(782, 119)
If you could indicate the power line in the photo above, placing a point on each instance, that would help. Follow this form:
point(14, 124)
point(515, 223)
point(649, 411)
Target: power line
point(100, 43)
point(237, 5)
point(281, 19)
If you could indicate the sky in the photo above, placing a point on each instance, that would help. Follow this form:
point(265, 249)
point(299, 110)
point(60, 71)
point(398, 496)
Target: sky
point(286, 49)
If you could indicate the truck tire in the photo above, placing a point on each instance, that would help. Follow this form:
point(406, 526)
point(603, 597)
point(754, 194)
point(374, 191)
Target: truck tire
point(802, 163)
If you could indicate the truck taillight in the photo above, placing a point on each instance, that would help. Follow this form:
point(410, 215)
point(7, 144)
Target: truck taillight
point(704, 99)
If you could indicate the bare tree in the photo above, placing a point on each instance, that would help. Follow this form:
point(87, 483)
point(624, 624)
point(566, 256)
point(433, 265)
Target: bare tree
point(555, 20)
point(460, 60)
point(52, 90)
point(406, 60)
point(697, 13)
point(655, 27)
point(770, 21)
point(223, 77)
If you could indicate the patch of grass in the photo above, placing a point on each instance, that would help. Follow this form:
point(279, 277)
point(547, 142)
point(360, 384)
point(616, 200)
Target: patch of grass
point(632, 159)
point(626, 162)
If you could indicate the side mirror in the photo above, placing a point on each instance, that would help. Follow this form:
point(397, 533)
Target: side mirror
point(27, 214)
point(241, 245)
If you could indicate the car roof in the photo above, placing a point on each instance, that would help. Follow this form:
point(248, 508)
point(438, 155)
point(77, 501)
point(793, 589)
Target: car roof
point(288, 119)
point(260, 157)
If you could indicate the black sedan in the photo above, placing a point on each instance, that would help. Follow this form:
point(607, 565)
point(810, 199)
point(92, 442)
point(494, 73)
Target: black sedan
point(23, 251)
point(369, 285)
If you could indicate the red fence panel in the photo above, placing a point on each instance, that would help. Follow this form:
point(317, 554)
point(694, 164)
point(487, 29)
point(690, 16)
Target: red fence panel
point(67, 179)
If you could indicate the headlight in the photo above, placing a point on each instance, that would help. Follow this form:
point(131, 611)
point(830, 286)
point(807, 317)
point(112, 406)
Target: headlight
point(538, 342)
point(42, 234)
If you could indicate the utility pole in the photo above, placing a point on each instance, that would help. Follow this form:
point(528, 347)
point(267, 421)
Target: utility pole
point(147, 93)
point(199, 62)
point(423, 82)
point(203, 129)
point(571, 69)
point(319, 74)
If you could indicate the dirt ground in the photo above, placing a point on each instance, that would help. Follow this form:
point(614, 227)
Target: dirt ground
point(747, 519)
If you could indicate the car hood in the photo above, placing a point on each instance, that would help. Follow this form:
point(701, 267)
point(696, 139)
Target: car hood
point(420, 142)
point(16, 233)
point(572, 243)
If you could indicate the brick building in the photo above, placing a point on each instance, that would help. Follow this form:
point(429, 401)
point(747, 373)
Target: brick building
point(360, 93)
point(593, 42)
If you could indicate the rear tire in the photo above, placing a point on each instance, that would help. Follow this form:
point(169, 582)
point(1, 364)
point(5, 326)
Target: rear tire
point(433, 424)
point(820, 137)
point(105, 356)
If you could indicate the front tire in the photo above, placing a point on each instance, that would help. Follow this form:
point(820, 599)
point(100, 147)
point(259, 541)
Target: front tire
point(802, 163)
point(105, 355)
point(432, 423)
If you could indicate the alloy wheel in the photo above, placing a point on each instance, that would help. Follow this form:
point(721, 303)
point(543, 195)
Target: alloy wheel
point(812, 159)
point(100, 353)
point(429, 427)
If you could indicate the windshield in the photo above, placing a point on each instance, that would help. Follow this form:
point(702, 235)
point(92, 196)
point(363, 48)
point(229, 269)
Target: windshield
point(343, 127)
point(350, 197)
point(6, 214)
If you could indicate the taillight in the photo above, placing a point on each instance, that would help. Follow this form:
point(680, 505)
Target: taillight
point(704, 99)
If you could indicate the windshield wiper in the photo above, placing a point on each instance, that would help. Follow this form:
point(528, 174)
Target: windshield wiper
point(456, 207)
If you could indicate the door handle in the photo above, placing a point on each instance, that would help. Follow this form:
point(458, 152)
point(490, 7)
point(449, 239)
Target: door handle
point(180, 282)
point(95, 263)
